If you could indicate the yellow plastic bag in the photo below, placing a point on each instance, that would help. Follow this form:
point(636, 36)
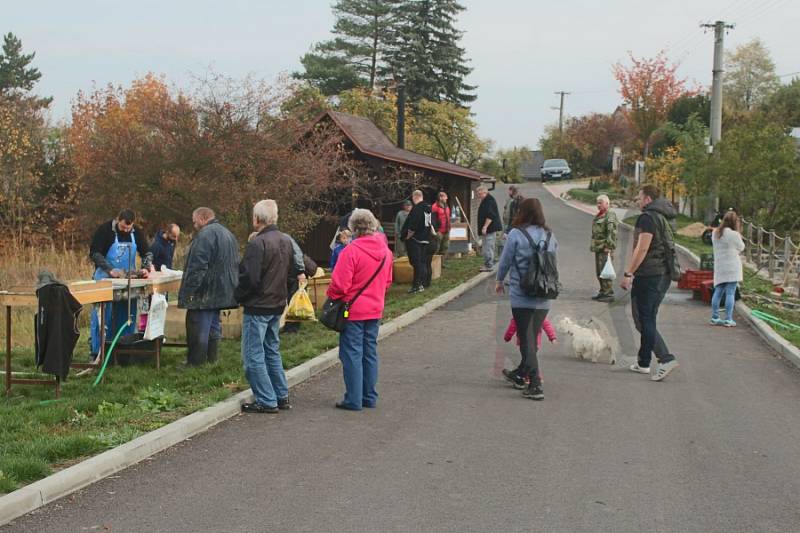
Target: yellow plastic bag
point(300, 308)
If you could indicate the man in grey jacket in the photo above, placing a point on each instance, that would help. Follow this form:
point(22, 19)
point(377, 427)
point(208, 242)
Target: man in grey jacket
point(209, 280)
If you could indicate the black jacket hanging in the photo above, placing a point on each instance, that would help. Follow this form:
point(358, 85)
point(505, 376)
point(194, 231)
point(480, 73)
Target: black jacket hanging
point(56, 328)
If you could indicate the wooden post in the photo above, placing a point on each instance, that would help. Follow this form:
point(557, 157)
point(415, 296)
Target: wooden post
point(8, 348)
point(759, 242)
point(749, 253)
point(787, 259)
point(771, 258)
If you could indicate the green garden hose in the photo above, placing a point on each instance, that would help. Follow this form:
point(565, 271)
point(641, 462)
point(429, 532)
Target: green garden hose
point(110, 350)
point(766, 317)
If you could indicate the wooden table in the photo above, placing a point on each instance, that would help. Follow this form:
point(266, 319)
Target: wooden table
point(85, 292)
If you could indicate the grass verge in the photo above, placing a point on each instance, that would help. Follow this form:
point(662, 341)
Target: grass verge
point(39, 436)
point(588, 196)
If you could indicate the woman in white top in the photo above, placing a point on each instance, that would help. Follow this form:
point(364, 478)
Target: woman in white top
point(728, 245)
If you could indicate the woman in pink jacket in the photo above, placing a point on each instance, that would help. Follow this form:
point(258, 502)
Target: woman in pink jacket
point(365, 263)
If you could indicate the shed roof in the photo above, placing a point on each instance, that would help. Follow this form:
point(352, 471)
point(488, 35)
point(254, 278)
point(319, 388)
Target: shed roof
point(370, 140)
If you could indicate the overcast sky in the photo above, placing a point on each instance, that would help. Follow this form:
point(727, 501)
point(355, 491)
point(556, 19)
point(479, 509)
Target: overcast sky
point(521, 50)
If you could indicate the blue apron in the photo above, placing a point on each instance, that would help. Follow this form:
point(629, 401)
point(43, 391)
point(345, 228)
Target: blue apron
point(121, 256)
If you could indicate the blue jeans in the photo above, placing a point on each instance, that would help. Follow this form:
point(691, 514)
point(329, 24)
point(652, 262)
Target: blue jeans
point(488, 249)
point(358, 351)
point(646, 297)
point(261, 357)
point(203, 332)
point(729, 290)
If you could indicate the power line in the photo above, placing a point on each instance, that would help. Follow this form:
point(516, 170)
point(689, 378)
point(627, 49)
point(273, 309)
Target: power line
point(767, 7)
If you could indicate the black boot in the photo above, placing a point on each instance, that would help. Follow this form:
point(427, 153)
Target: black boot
point(534, 390)
point(517, 381)
point(213, 350)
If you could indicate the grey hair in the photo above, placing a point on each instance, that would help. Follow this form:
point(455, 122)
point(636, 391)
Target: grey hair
point(604, 198)
point(363, 222)
point(417, 194)
point(266, 212)
point(482, 188)
point(204, 214)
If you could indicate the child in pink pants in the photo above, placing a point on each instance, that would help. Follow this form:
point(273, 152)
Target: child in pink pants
point(547, 327)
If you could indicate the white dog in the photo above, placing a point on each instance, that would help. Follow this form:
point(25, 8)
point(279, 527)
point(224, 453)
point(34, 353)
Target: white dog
point(588, 343)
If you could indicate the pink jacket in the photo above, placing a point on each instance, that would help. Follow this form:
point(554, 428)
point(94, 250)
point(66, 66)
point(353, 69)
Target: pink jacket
point(547, 327)
point(356, 264)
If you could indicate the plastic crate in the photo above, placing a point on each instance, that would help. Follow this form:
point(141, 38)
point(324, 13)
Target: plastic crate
point(706, 291)
point(691, 279)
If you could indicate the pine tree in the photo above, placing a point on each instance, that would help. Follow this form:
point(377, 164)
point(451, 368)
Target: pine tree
point(355, 57)
point(17, 77)
point(15, 74)
point(426, 54)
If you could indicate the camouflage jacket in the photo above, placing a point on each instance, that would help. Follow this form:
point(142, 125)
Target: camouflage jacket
point(604, 231)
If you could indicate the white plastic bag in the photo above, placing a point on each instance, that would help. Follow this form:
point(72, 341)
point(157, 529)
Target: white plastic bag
point(157, 317)
point(608, 271)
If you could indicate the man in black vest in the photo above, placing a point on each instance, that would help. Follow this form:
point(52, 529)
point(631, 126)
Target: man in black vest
point(648, 271)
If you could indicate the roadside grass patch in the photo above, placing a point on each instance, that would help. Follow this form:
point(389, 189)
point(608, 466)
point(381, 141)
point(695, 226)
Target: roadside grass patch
point(40, 435)
point(588, 196)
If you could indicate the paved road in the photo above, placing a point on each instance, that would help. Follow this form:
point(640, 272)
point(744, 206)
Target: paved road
point(452, 448)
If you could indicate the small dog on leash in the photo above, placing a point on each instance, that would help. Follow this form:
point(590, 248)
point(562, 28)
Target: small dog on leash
point(587, 342)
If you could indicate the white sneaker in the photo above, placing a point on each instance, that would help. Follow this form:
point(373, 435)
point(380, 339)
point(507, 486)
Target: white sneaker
point(664, 370)
point(640, 369)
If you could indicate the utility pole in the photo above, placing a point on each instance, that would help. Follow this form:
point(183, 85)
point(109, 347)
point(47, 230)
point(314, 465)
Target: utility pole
point(716, 98)
point(561, 111)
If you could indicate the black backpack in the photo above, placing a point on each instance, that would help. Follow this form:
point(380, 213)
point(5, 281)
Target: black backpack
point(541, 279)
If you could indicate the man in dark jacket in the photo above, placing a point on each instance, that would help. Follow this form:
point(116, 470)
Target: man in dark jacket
point(262, 291)
point(208, 284)
point(648, 270)
point(163, 247)
point(417, 236)
point(489, 224)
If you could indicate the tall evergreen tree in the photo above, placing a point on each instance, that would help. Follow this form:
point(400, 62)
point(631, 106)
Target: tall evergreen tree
point(17, 77)
point(15, 72)
point(355, 56)
point(426, 54)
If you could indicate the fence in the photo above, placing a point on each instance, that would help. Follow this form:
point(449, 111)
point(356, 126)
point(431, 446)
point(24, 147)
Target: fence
point(779, 255)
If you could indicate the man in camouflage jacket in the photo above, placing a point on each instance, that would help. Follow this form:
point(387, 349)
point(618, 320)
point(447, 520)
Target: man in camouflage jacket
point(604, 242)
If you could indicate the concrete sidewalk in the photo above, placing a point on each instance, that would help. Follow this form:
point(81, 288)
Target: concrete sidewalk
point(452, 448)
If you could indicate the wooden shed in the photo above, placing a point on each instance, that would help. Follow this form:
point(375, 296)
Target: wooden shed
point(364, 141)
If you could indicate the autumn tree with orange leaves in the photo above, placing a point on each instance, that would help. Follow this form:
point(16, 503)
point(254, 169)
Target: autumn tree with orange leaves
point(163, 153)
point(648, 88)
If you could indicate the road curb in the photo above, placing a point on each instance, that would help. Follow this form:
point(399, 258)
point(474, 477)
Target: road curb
point(784, 348)
point(69, 480)
point(773, 339)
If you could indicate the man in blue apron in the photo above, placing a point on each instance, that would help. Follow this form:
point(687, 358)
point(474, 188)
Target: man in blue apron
point(113, 251)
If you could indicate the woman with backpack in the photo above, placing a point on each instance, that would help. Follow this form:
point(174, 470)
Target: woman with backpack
point(529, 306)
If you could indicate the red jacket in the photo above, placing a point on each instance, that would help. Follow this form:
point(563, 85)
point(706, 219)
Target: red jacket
point(442, 214)
point(356, 264)
point(547, 327)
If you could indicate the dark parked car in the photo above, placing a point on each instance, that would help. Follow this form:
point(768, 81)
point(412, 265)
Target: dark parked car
point(555, 169)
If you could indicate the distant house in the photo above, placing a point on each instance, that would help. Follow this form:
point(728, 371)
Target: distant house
point(796, 134)
point(367, 143)
point(530, 168)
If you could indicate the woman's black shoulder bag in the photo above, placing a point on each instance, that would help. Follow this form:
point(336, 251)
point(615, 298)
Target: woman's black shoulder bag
point(335, 312)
